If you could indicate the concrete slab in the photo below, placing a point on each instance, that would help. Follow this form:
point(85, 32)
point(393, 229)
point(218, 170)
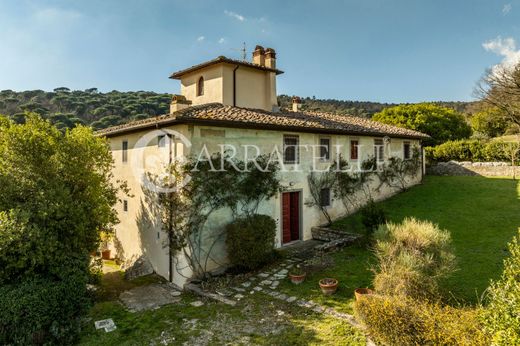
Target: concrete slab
point(149, 297)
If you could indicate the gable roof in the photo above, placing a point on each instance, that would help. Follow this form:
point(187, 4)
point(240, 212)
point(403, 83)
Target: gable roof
point(217, 114)
point(219, 60)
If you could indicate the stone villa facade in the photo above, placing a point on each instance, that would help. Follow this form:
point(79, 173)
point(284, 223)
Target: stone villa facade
point(225, 101)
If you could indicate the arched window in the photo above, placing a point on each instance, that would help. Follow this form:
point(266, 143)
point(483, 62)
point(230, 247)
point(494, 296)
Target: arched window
point(200, 87)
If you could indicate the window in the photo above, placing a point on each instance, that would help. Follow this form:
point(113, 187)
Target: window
point(325, 197)
point(125, 205)
point(290, 149)
point(379, 150)
point(200, 86)
point(125, 151)
point(161, 141)
point(406, 150)
point(325, 149)
point(354, 149)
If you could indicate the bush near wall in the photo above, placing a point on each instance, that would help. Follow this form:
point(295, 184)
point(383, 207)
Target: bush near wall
point(473, 150)
point(404, 321)
point(40, 310)
point(250, 241)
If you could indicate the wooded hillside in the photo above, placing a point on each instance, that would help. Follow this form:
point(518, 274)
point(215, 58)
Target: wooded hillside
point(65, 107)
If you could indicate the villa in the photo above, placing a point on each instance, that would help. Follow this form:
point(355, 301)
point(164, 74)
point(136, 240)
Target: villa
point(234, 103)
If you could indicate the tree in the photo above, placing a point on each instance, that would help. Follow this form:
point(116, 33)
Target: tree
point(56, 196)
point(500, 88)
point(490, 122)
point(441, 123)
point(56, 193)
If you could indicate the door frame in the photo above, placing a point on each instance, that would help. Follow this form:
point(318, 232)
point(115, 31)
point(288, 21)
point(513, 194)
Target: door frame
point(300, 217)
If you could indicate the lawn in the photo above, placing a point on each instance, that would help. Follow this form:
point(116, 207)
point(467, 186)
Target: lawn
point(256, 320)
point(482, 214)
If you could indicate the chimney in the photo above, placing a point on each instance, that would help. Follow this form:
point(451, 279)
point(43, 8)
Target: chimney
point(179, 102)
point(270, 58)
point(296, 103)
point(259, 56)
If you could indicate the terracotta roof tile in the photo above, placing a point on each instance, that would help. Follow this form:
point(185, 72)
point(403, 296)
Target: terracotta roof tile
point(221, 115)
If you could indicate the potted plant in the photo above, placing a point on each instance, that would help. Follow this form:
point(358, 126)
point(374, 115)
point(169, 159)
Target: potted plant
point(362, 292)
point(328, 286)
point(106, 238)
point(297, 275)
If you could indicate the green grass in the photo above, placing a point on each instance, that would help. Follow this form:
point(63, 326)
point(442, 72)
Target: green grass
point(482, 214)
point(350, 269)
point(257, 320)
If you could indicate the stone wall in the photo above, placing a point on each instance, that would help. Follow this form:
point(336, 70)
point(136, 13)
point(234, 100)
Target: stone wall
point(491, 169)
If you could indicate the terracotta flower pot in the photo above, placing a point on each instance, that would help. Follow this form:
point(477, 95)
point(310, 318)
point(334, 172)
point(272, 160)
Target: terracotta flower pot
point(297, 278)
point(105, 254)
point(362, 292)
point(328, 286)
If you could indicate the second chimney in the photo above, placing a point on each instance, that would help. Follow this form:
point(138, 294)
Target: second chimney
point(270, 58)
point(259, 56)
point(296, 103)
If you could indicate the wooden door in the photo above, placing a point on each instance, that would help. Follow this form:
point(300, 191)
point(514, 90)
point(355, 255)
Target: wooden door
point(290, 217)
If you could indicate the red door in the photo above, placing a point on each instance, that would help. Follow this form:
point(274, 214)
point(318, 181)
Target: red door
point(290, 217)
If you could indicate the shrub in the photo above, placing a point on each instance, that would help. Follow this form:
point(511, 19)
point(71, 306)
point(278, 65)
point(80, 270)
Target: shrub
point(250, 241)
point(474, 150)
point(412, 257)
point(372, 216)
point(502, 315)
point(42, 311)
point(404, 321)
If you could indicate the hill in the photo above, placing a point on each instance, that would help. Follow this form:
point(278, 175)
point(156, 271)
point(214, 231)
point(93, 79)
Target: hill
point(65, 108)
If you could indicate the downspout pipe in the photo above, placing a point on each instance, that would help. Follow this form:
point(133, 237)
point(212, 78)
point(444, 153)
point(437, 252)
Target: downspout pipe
point(235, 85)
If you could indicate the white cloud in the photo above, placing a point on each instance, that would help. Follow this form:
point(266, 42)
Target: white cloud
point(505, 47)
point(506, 9)
point(222, 40)
point(200, 38)
point(234, 15)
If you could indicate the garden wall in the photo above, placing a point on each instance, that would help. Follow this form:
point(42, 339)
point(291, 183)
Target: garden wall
point(491, 169)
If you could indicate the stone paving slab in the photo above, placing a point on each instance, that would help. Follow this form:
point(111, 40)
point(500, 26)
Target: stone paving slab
point(149, 297)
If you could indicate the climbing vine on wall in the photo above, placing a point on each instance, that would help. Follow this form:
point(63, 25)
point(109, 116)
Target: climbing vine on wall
point(217, 183)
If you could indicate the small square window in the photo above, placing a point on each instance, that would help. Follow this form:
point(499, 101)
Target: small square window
point(406, 150)
point(325, 197)
point(290, 149)
point(325, 149)
point(124, 147)
point(125, 205)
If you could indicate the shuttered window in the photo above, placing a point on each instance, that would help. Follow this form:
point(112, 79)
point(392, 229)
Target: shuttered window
point(379, 150)
point(290, 149)
point(325, 149)
point(125, 151)
point(354, 149)
point(406, 150)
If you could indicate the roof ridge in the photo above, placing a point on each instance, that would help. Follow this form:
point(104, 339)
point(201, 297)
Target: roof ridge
point(218, 113)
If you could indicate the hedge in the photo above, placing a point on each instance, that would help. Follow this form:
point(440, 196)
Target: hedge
point(39, 311)
point(473, 150)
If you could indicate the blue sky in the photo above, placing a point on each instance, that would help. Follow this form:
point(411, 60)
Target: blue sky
point(375, 50)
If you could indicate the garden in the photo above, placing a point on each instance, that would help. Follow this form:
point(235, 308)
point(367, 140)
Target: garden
point(477, 233)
